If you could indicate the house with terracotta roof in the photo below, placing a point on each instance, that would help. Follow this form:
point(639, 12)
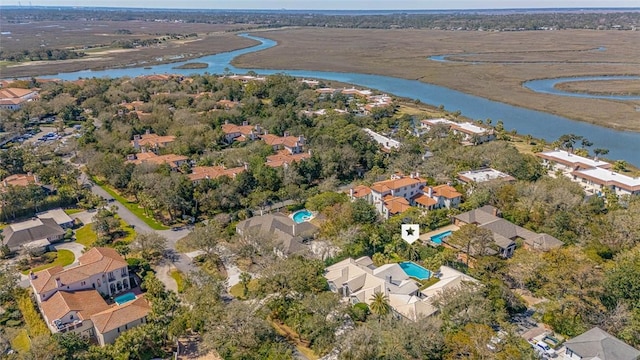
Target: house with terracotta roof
point(284, 158)
point(151, 142)
point(14, 98)
point(87, 314)
point(100, 269)
point(110, 323)
point(22, 180)
point(292, 144)
point(173, 160)
point(72, 299)
point(200, 173)
point(398, 194)
point(233, 132)
point(360, 192)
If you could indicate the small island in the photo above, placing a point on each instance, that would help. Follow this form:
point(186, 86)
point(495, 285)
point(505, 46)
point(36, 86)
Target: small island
point(193, 65)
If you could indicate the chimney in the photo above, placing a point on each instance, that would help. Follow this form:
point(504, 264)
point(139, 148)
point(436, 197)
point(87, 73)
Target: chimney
point(136, 142)
point(32, 276)
point(245, 123)
point(246, 166)
point(430, 193)
point(148, 132)
point(309, 152)
point(266, 132)
point(411, 175)
point(351, 192)
point(286, 133)
point(58, 282)
point(226, 122)
point(417, 174)
point(301, 139)
point(388, 278)
point(495, 211)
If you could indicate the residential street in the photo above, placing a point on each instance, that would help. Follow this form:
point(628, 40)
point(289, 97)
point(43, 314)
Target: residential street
point(180, 261)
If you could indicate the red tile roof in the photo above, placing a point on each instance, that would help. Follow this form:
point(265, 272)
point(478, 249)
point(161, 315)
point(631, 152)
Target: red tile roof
point(98, 260)
point(446, 191)
point(121, 315)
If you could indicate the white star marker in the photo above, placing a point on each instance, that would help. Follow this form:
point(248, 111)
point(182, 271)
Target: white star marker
point(410, 232)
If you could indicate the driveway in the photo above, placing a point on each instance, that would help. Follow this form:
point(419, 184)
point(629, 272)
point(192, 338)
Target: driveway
point(84, 216)
point(162, 273)
point(74, 247)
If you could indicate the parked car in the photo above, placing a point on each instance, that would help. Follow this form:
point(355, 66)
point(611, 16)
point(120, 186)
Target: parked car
point(544, 348)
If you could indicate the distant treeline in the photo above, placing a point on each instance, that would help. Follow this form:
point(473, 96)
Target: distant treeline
point(40, 54)
point(606, 20)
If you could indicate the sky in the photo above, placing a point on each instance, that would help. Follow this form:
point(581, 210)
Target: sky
point(336, 4)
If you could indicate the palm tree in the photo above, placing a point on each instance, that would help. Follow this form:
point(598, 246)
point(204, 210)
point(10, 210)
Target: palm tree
point(245, 278)
point(380, 304)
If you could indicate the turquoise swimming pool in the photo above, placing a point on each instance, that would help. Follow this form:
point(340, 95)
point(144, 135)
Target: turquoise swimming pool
point(437, 239)
point(122, 299)
point(414, 270)
point(302, 216)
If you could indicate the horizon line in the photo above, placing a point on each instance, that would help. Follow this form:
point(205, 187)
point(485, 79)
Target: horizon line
point(316, 9)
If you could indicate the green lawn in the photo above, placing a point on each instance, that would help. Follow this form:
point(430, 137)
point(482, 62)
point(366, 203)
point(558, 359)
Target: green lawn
point(179, 278)
point(21, 343)
point(65, 257)
point(132, 206)
point(86, 236)
point(236, 290)
point(72, 211)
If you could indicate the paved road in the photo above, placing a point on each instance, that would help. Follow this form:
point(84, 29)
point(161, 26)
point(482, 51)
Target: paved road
point(180, 261)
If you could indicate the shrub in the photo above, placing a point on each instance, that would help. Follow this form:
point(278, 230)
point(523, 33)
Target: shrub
point(50, 257)
point(13, 323)
point(359, 312)
point(35, 324)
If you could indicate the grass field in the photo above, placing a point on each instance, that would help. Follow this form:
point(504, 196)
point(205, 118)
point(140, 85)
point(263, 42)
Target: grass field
point(212, 39)
point(179, 278)
point(404, 54)
point(132, 206)
point(65, 257)
point(237, 291)
point(602, 87)
point(86, 236)
point(72, 211)
point(21, 343)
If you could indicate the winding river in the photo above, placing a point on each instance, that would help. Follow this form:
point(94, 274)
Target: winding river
point(621, 144)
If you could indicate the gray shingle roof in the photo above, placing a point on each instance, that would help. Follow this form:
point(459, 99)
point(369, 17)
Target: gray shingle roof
point(597, 343)
point(288, 234)
point(19, 234)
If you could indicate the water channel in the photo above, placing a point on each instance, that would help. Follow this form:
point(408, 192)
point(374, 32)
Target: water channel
point(621, 144)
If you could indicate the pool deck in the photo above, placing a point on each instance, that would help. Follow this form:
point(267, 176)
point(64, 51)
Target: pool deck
point(426, 237)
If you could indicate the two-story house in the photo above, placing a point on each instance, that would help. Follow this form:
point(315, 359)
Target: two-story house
point(101, 269)
point(72, 299)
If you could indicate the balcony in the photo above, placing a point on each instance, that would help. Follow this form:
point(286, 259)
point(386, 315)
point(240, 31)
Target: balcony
point(111, 278)
point(63, 328)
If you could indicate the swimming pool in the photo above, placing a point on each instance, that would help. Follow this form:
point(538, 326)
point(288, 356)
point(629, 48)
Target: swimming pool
point(437, 239)
point(302, 216)
point(414, 270)
point(122, 299)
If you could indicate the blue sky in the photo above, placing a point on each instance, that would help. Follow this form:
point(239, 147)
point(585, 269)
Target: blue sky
point(337, 4)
